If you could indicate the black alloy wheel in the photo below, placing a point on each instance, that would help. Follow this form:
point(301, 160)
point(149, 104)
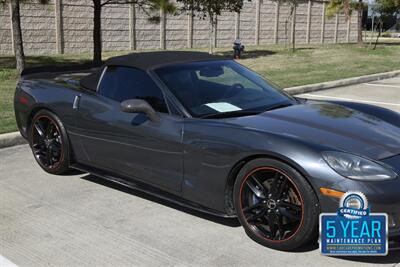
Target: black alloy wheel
point(276, 205)
point(271, 204)
point(48, 141)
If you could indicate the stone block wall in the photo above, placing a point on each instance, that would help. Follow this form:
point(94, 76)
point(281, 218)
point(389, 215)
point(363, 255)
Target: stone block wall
point(267, 22)
point(47, 29)
point(225, 29)
point(176, 31)
point(5, 30)
point(77, 22)
point(247, 23)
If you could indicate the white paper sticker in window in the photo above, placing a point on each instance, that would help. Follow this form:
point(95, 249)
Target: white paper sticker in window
point(223, 107)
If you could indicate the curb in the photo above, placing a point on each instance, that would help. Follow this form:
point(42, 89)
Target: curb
point(15, 138)
point(11, 139)
point(338, 83)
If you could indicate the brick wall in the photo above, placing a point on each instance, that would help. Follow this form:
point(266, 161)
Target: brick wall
point(76, 19)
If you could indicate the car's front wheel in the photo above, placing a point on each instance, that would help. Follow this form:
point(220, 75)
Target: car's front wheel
point(49, 142)
point(275, 204)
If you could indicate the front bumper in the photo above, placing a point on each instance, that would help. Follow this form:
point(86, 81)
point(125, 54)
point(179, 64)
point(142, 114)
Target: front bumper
point(383, 197)
point(377, 203)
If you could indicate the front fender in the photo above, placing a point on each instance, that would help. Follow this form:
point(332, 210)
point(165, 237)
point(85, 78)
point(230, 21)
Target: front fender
point(212, 152)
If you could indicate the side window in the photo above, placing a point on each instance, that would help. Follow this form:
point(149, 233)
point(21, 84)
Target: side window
point(123, 83)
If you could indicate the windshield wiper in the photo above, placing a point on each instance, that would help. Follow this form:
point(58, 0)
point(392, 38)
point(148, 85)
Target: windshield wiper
point(236, 113)
point(278, 106)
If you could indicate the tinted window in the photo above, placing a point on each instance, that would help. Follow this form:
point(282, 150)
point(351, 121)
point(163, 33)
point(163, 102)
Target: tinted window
point(212, 87)
point(122, 83)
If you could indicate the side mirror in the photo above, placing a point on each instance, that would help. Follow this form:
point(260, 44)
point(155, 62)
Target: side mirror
point(139, 106)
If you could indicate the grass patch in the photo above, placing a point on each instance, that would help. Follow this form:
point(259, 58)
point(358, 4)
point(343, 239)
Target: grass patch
point(309, 64)
point(327, 63)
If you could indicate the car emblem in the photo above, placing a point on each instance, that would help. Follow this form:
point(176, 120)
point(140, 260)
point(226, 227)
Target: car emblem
point(271, 204)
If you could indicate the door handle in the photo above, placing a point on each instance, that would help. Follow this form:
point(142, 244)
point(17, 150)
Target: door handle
point(77, 99)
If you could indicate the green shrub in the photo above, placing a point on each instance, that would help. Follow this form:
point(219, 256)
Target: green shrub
point(386, 34)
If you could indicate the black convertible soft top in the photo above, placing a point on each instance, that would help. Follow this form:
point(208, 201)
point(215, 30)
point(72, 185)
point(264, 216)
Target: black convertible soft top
point(151, 60)
point(147, 61)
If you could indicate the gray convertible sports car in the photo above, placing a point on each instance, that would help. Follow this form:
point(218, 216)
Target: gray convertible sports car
point(204, 131)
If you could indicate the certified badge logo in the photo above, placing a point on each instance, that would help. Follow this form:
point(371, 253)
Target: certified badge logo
point(353, 205)
point(353, 230)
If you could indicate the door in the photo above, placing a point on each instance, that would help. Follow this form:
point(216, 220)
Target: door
point(131, 144)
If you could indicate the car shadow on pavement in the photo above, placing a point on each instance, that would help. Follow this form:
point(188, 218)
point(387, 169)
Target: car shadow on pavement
point(392, 258)
point(231, 222)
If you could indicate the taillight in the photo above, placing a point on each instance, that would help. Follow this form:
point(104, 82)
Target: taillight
point(23, 100)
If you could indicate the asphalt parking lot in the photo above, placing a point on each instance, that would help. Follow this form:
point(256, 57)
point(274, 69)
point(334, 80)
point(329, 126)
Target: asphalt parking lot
point(81, 220)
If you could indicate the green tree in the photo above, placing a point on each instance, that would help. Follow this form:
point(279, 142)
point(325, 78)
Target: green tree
point(18, 44)
point(389, 7)
point(165, 6)
point(158, 9)
point(385, 9)
point(211, 10)
point(347, 7)
point(292, 19)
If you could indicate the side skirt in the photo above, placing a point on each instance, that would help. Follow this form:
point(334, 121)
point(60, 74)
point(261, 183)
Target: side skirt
point(150, 190)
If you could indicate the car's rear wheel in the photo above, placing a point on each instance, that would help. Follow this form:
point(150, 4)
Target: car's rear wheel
point(49, 142)
point(275, 204)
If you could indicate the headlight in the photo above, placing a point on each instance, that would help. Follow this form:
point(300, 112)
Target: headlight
point(354, 167)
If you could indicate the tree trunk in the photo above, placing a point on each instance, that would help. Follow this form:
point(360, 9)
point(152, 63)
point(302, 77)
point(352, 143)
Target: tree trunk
point(293, 31)
point(360, 17)
point(286, 33)
point(211, 34)
point(17, 35)
point(380, 25)
point(163, 22)
point(97, 60)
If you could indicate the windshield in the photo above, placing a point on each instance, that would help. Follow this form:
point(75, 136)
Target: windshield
point(212, 88)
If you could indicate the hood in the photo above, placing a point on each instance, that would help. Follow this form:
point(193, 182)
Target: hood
point(330, 125)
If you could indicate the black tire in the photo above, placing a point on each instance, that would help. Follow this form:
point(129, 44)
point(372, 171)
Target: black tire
point(55, 146)
point(259, 200)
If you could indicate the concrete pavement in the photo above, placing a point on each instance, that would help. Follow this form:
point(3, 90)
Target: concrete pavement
point(80, 220)
point(384, 93)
